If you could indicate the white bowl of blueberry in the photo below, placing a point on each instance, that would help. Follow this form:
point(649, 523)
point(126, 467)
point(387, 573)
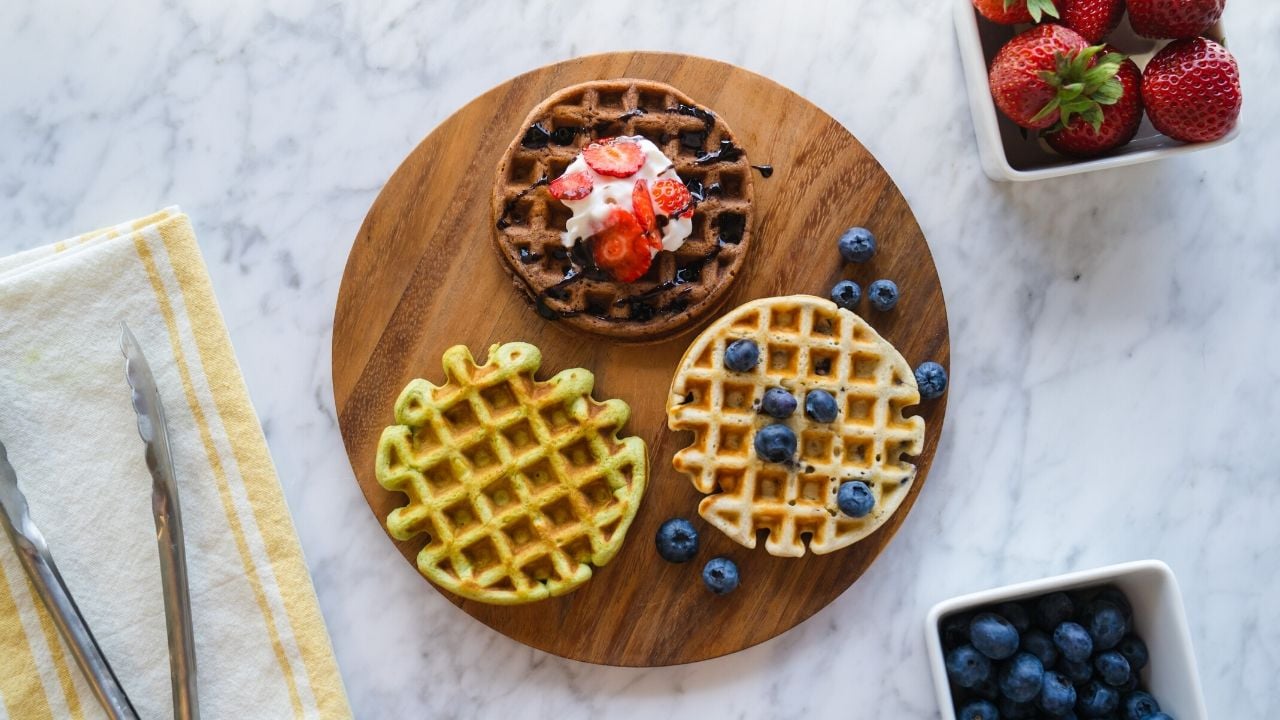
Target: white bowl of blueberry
point(1110, 643)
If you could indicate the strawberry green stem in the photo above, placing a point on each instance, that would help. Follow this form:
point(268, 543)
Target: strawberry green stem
point(1037, 8)
point(1083, 86)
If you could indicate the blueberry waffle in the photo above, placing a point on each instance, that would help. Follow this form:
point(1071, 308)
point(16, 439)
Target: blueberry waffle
point(805, 346)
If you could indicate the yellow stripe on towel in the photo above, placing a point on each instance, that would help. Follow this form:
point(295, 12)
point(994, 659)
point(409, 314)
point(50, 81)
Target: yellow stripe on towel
point(249, 449)
point(215, 462)
point(54, 641)
point(22, 698)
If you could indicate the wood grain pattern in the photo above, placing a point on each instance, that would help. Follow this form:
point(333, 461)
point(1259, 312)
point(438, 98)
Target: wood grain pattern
point(423, 276)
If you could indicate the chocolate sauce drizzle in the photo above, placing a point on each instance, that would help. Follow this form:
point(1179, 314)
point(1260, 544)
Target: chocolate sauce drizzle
point(699, 192)
point(728, 152)
point(564, 134)
point(693, 139)
point(537, 137)
point(707, 117)
point(697, 139)
point(508, 210)
point(732, 225)
point(641, 306)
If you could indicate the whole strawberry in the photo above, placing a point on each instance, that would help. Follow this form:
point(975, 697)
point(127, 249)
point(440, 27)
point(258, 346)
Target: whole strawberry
point(1093, 19)
point(1049, 74)
point(1174, 18)
point(1192, 90)
point(1119, 123)
point(1012, 12)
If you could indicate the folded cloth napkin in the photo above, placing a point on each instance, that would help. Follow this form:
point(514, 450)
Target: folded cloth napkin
point(261, 646)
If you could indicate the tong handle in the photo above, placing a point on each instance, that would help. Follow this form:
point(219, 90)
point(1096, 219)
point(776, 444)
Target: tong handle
point(66, 616)
point(177, 604)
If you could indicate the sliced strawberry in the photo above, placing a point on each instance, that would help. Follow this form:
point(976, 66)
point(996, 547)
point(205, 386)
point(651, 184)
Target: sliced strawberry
point(615, 157)
point(573, 186)
point(642, 205)
point(672, 197)
point(621, 247)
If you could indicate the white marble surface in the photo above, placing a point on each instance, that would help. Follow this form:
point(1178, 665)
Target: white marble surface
point(1116, 391)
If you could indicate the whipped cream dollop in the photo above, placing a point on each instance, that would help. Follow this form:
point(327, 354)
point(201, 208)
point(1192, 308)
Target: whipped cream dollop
point(590, 212)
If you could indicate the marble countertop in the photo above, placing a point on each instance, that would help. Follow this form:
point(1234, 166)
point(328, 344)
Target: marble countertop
point(1115, 387)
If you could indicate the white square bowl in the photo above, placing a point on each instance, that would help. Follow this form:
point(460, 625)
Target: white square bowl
point(1010, 154)
point(1158, 618)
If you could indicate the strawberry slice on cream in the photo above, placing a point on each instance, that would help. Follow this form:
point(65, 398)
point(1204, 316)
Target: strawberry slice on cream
point(599, 167)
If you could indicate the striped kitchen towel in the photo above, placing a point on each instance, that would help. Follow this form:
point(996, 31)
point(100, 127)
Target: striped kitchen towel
point(262, 650)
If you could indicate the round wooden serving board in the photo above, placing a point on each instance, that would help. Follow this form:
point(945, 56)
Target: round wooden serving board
point(423, 275)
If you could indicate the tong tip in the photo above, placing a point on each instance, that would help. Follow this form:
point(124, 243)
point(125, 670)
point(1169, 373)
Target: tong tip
point(128, 342)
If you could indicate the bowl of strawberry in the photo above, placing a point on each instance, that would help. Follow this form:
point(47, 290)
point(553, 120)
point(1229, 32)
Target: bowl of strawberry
point(1058, 87)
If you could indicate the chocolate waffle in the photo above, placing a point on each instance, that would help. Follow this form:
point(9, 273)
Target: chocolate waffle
point(519, 486)
point(563, 284)
point(805, 343)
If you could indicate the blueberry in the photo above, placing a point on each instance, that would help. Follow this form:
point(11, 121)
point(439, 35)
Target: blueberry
point(883, 294)
point(1016, 614)
point(1112, 668)
point(741, 355)
point(846, 294)
point(1140, 706)
point(819, 405)
point(1159, 716)
point(1057, 694)
point(1079, 672)
point(1054, 609)
point(1073, 642)
point(778, 402)
point(979, 710)
point(775, 443)
point(677, 540)
point(931, 378)
point(1113, 595)
point(857, 245)
point(988, 689)
point(720, 575)
point(1135, 651)
point(856, 500)
point(1106, 626)
point(1037, 642)
point(967, 667)
point(1021, 677)
point(1130, 684)
point(1096, 700)
point(1013, 710)
point(994, 636)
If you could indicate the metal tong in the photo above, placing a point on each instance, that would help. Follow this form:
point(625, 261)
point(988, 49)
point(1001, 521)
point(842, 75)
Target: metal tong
point(34, 553)
point(168, 518)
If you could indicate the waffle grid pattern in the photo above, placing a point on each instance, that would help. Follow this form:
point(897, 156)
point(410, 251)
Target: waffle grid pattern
point(806, 343)
point(695, 276)
point(520, 486)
